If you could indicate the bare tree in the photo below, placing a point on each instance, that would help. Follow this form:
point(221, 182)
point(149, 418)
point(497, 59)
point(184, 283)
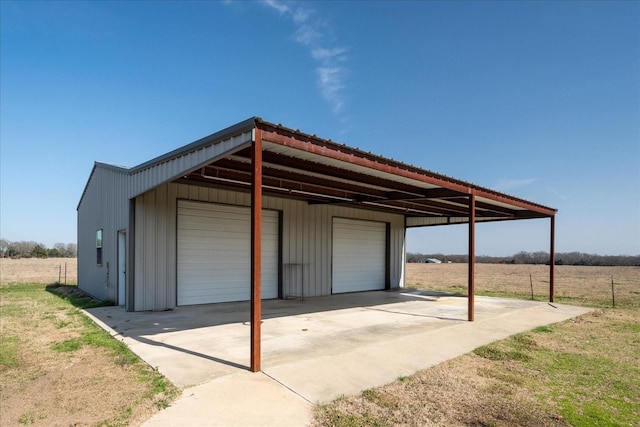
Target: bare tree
point(71, 250)
point(4, 247)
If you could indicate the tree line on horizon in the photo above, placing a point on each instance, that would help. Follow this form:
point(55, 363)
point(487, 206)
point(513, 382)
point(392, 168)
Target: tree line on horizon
point(541, 257)
point(29, 249)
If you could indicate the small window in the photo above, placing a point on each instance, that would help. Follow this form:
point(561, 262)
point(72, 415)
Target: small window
point(99, 247)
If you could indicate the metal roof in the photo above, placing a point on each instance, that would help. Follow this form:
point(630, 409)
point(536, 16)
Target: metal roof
point(320, 171)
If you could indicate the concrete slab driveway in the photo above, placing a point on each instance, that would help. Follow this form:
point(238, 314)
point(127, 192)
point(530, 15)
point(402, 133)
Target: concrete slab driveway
point(312, 351)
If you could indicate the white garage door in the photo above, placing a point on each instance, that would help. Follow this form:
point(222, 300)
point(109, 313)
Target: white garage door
point(214, 253)
point(358, 255)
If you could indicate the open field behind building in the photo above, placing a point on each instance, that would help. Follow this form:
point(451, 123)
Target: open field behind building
point(577, 285)
point(39, 270)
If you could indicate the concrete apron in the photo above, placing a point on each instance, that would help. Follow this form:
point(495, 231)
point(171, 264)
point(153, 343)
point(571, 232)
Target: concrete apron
point(312, 351)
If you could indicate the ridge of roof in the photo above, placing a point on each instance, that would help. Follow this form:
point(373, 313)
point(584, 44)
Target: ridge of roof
point(240, 127)
point(113, 166)
point(102, 165)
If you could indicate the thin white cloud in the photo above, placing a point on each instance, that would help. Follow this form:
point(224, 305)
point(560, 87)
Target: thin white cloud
point(300, 15)
point(279, 6)
point(337, 53)
point(307, 35)
point(510, 184)
point(557, 193)
point(310, 32)
point(330, 79)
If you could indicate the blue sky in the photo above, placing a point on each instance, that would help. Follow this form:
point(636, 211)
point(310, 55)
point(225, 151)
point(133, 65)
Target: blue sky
point(540, 100)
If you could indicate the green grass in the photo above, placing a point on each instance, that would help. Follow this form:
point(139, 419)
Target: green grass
point(92, 335)
point(60, 323)
point(603, 390)
point(8, 351)
point(519, 349)
point(582, 372)
point(35, 307)
point(30, 418)
point(67, 345)
point(589, 381)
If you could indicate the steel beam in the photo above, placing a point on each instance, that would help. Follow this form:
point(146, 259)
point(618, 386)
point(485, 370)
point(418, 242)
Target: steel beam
point(472, 257)
point(256, 249)
point(552, 258)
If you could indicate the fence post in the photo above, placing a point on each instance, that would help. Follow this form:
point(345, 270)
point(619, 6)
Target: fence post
point(613, 295)
point(59, 272)
point(531, 282)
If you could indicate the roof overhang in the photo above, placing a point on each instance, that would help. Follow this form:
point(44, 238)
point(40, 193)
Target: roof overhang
point(320, 171)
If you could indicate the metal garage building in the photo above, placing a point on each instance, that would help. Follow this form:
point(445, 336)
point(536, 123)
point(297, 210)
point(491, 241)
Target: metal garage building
point(262, 211)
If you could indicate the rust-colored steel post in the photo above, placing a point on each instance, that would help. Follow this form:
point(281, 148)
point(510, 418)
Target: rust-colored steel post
point(256, 249)
point(552, 258)
point(472, 257)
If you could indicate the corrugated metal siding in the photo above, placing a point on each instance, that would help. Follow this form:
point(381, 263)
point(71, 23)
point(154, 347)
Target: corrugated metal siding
point(427, 221)
point(417, 222)
point(148, 178)
point(104, 206)
point(306, 239)
point(155, 247)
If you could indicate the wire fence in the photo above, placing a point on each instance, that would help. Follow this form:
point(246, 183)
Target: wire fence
point(35, 270)
point(582, 285)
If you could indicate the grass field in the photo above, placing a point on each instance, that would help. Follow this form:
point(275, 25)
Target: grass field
point(577, 285)
point(36, 270)
point(58, 368)
point(582, 372)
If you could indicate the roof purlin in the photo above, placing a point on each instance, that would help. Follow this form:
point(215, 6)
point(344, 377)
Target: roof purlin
point(305, 166)
point(338, 191)
point(272, 172)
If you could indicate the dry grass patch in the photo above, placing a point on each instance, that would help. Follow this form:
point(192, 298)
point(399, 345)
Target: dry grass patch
point(459, 392)
point(578, 285)
point(57, 368)
point(38, 270)
point(585, 371)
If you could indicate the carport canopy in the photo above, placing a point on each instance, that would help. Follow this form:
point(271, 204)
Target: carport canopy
point(283, 162)
point(320, 171)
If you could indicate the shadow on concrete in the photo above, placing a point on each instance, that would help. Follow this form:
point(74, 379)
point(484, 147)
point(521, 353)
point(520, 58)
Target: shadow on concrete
point(156, 329)
point(413, 314)
point(206, 315)
point(191, 352)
